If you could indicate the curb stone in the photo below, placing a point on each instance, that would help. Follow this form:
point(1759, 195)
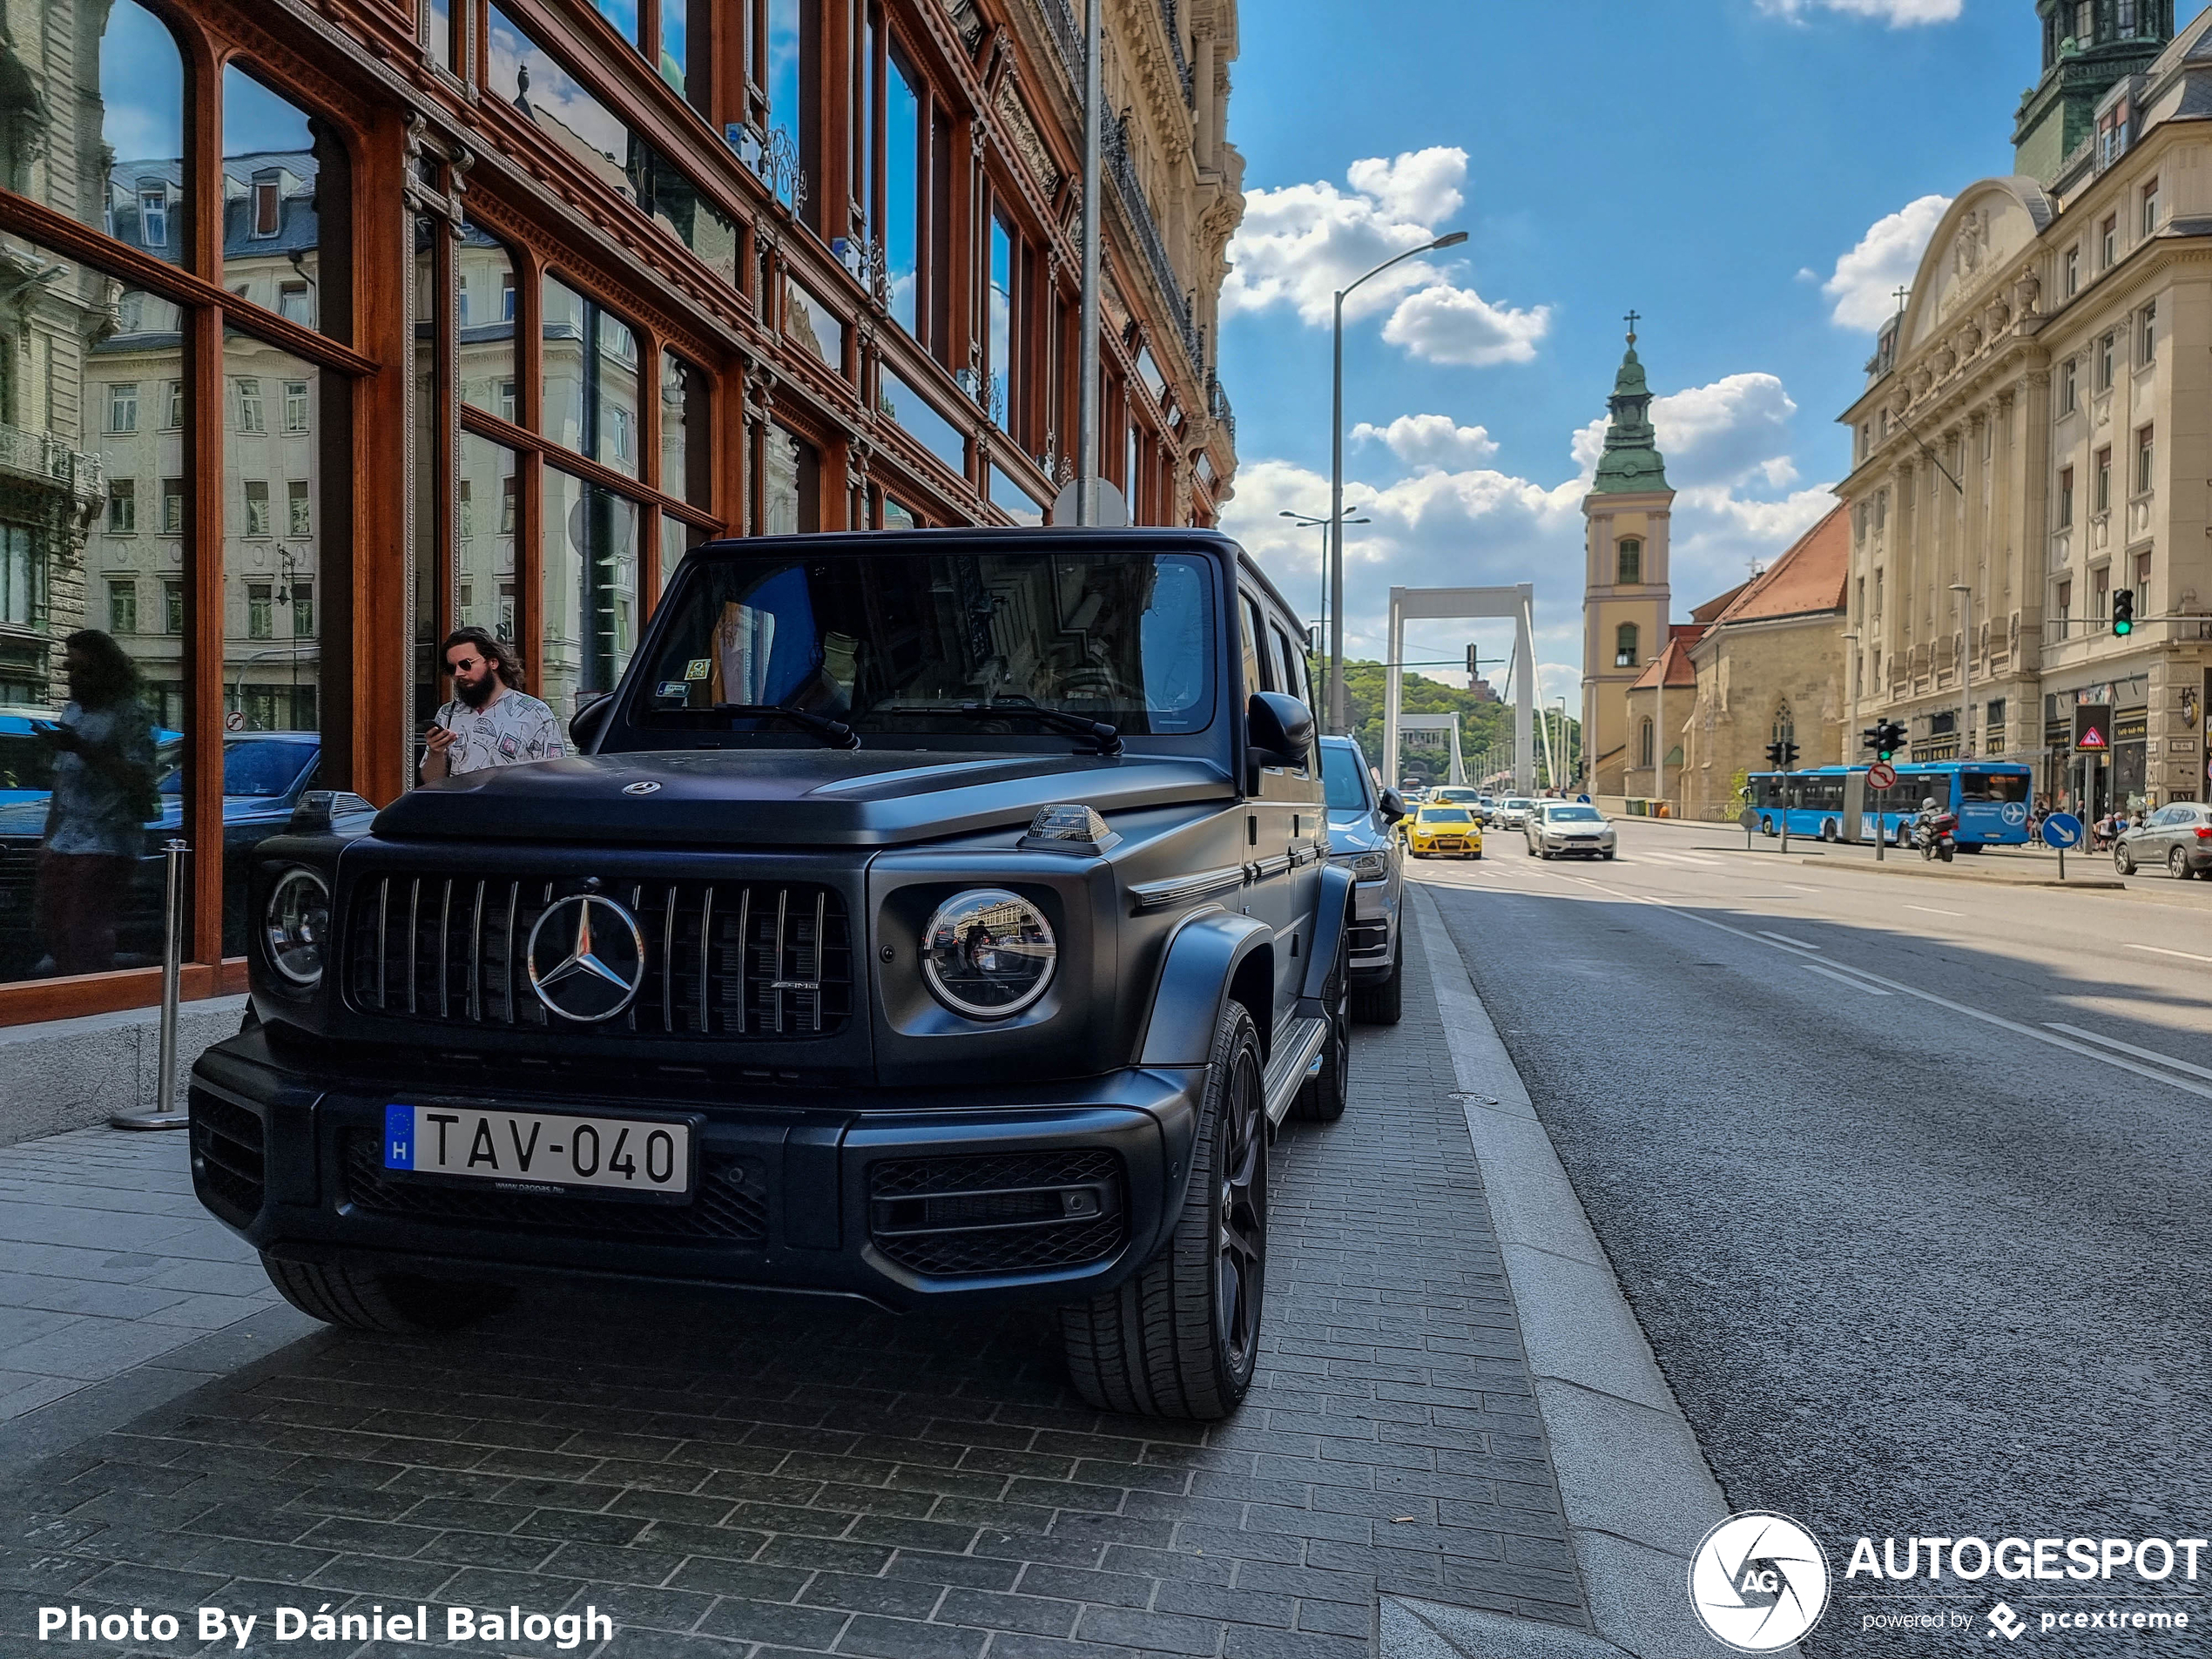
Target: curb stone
point(1634, 1486)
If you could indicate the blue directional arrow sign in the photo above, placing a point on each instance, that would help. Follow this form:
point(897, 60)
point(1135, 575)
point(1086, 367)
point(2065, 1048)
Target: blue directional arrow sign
point(2062, 829)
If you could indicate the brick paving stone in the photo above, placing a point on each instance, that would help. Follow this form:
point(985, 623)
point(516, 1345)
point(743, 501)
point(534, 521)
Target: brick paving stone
point(738, 1479)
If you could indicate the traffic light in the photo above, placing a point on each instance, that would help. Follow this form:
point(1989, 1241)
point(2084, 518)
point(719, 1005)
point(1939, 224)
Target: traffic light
point(1892, 736)
point(1789, 755)
point(1774, 754)
point(1474, 664)
point(1872, 738)
point(2123, 612)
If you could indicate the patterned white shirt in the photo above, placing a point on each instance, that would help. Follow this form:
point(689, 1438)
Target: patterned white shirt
point(514, 729)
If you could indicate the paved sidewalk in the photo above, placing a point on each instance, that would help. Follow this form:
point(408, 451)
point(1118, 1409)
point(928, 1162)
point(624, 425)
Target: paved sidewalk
point(107, 1261)
point(738, 1479)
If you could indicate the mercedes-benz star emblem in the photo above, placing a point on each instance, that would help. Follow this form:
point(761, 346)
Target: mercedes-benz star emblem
point(646, 787)
point(586, 958)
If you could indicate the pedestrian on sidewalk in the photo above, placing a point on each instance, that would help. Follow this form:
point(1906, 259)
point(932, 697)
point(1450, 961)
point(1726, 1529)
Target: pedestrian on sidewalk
point(490, 721)
point(103, 796)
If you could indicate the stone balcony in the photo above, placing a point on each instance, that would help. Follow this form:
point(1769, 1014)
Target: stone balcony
point(41, 459)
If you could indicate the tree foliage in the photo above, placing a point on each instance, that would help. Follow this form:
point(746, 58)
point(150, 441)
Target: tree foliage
point(1482, 725)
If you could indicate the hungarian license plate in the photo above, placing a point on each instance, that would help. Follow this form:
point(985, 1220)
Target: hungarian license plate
point(526, 1152)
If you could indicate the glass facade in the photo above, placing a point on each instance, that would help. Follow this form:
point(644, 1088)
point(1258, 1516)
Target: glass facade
point(250, 480)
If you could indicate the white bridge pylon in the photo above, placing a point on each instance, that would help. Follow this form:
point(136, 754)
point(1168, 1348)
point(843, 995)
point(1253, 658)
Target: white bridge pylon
point(1452, 604)
point(1436, 723)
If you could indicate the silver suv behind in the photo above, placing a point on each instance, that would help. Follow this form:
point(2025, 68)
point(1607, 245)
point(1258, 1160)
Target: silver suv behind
point(1360, 838)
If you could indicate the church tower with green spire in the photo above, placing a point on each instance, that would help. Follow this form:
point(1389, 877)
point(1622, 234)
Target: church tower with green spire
point(1625, 596)
point(2088, 45)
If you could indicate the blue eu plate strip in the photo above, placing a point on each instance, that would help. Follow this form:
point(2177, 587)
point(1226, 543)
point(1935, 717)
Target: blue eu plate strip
point(399, 1137)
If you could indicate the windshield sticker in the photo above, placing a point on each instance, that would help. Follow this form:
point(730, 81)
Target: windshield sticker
point(699, 668)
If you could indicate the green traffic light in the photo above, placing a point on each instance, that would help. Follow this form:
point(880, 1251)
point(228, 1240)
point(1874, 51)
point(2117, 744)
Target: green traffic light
point(2122, 627)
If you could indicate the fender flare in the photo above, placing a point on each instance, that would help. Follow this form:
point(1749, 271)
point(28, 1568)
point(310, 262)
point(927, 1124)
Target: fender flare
point(1332, 915)
point(1201, 960)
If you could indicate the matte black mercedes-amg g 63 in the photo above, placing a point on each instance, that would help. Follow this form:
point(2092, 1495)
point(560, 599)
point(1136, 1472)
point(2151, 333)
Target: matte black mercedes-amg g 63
point(930, 917)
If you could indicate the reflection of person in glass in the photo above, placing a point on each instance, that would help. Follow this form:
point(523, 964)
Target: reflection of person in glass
point(104, 794)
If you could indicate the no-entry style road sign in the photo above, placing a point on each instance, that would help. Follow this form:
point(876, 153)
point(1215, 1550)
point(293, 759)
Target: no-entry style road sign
point(1881, 774)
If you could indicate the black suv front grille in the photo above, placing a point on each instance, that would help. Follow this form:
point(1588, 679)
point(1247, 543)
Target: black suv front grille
point(228, 1161)
point(1010, 1212)
point(722, 959)
point(729, 1206)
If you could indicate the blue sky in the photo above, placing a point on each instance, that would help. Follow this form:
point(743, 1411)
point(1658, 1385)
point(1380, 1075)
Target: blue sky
point(1753, 176)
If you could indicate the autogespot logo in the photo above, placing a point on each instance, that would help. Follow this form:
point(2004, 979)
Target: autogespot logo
point(1758, 1581)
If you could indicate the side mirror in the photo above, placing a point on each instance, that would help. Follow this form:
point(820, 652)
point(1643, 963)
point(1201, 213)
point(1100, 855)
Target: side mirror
point(1278, 730)
point(590, 718)
point(1393, 805)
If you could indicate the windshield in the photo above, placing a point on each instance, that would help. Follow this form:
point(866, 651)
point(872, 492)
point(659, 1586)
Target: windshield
point(1444, 815)
point(1575, 815)
point(1457, 794)
point(1345, 779)
point(1519, 804)
point(261, 770)
point(1993, 785)
point(895, 642)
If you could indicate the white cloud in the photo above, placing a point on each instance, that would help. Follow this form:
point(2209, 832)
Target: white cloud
point(1864, 288)
point(1299, 244)
point(1447, 325)
point(1429, 440)
point(1453, 520)
point(1898, 13)
point(1723, 434)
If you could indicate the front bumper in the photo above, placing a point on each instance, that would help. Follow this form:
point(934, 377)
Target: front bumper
point(1589, 846)
point(1374, 928)
point(901, 1197)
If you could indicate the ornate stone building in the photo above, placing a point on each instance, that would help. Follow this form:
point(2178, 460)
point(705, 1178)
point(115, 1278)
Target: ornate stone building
point(1624, 579)
point(335, 323)
point(2032, 443)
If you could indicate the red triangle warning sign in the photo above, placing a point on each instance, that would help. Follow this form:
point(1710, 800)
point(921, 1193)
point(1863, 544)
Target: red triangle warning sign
point(2090, 738)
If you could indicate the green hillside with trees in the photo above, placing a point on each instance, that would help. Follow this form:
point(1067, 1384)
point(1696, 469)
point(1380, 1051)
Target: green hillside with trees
point(1481, 725)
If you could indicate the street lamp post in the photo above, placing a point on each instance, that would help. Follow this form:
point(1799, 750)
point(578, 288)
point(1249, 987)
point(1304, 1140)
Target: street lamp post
point(1307, 521)
point(1336, 481)
point(1561, 700)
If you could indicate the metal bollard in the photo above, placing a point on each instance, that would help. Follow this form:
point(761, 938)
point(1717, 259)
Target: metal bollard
point(165, 1114)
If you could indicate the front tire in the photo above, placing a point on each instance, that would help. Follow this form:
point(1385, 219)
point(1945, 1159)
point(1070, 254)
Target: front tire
point(1182, 1337)
point(366, 1299)
point(2122, 862)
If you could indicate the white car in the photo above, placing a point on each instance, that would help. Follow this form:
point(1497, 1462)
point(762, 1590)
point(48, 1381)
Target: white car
point(1558, 828)
point(1513, 812)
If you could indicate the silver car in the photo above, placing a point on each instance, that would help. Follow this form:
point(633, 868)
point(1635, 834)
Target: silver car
point(2179, 837)
point(1361, 817)
point(1557, 828)
point(1513, 812)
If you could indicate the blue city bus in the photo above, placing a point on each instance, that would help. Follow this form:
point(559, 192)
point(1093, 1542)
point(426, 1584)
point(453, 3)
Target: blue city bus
point(1833, 803)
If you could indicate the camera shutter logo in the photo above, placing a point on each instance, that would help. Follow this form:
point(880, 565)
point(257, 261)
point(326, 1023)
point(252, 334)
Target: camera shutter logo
point(586, 958)
point(1759, 1581)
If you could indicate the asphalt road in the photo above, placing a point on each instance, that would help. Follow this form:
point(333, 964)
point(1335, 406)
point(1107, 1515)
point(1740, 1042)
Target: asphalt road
point(1906, 1177)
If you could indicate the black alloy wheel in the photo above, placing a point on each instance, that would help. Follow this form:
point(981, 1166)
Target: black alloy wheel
point(1240, 1224)
point(1181, 1336)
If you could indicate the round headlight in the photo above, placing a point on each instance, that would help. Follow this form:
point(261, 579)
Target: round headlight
point(296, 924)
point(988, 953)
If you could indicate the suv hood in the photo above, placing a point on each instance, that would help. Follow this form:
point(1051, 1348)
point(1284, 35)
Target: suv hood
point(768, 797)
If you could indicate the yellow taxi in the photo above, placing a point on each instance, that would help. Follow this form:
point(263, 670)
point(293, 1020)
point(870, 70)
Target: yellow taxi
point(1445, 829)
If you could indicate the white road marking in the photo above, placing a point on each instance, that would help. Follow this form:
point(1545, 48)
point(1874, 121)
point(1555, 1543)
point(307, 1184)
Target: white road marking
point(2157, 951)
point(1983, 1015)
point(1843, 979)
point(2129, 1048)
point(1785, 938)
point(1794, 887)
point(1929, 910)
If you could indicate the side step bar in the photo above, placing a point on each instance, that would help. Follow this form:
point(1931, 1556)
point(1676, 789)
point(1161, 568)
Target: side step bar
point(1298, 1050)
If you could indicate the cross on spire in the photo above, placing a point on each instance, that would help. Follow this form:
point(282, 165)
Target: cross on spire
point(1633, 319)
point(1902, 296)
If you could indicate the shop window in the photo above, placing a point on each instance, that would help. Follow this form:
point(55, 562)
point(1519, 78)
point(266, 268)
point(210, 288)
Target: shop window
point(687, 458)
point(486, 369)
point(897, 515)
point(275, 158)
point(791, 484)
point(922, 419)
point(589, 379)
point(677, 537)
point(590, 596)
point(903, 189)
